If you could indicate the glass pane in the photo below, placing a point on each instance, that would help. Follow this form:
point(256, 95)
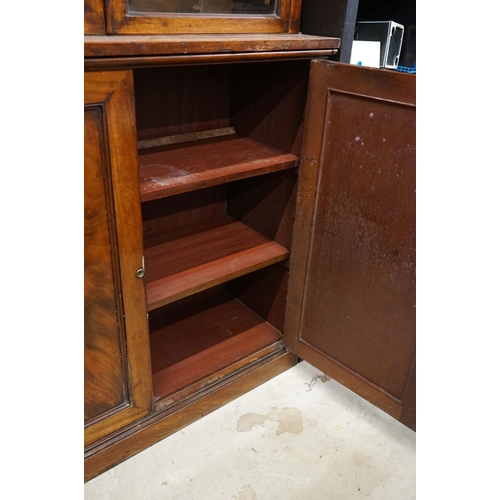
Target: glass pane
point(235, 7)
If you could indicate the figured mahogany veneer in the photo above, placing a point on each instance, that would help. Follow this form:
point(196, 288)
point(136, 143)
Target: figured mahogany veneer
point(205, 255)
point(117, 362)
point(185, 167)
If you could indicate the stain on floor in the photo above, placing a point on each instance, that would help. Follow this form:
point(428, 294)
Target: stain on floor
point(246, 493)
point(289, 420)
point(324, 378)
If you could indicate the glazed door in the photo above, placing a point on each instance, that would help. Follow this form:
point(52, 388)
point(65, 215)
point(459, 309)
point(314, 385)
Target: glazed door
point(167, 17)
point(117, 362)
point(351, 304)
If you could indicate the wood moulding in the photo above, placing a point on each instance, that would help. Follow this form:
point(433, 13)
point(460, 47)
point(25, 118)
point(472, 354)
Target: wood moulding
point(168, 45)
point(160, 424)
point(96, 64)
point(205, 255)
point(135, 51)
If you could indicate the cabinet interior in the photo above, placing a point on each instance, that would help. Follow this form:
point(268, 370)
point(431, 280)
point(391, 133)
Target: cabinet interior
point(218, 149)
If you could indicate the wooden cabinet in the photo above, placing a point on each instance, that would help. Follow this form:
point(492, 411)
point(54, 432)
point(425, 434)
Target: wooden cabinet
point(273, 206)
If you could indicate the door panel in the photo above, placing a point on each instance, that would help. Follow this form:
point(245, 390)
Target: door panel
point(117, 383)
point(352, 285)
point(105, 384)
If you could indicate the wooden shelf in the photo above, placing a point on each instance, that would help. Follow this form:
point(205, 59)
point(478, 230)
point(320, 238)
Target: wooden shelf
point(204, 255)
point(203, 339)
point(198, 164)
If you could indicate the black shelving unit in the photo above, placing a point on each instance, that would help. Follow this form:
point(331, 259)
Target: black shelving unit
point(339, 18)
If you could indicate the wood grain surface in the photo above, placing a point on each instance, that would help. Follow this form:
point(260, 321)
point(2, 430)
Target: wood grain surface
point(351, 307)
point(203, 338)
point(204, 256)
point(164, 45)
point(198, 164)
point(117, 360)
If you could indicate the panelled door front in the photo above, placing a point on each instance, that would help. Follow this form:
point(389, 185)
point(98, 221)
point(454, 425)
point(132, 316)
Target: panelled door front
point(117, 365)
point(351, 304)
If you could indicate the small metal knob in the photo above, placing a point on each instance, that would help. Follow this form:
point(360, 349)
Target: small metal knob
point(140, 272)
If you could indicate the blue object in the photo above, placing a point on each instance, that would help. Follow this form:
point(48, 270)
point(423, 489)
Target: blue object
point(405, 69)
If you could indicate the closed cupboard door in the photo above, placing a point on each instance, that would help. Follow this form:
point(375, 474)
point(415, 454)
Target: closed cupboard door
point(117, 363)
point(351, 304)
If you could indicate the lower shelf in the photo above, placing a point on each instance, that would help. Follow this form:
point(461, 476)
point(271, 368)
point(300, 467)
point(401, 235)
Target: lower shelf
point(199, 342)
point(203, 256)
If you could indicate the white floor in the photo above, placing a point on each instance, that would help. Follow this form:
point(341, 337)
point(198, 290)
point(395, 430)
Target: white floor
point(299, 436)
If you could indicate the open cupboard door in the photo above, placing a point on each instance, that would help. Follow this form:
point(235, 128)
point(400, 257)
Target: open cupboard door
point(351, 303)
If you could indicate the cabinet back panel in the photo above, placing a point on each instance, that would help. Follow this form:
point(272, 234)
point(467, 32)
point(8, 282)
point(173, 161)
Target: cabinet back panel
point(265, 203)
point(168, 214)
point(263, 101)
point(180, 100)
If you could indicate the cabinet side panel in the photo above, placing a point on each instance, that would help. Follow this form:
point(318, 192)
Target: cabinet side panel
point(335, 19)
point(94, 21)
point(104, 373)
point(264, 292)
point(268, 101)
point(409, 402)
point(266, 204)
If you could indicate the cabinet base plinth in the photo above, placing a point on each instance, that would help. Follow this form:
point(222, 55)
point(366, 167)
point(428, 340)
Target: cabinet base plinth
point(159, 425)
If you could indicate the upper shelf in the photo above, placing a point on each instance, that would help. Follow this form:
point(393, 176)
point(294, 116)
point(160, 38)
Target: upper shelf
point(202, 163)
